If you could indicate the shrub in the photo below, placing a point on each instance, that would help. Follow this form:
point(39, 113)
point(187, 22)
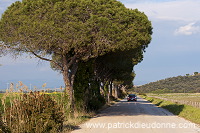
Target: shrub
point(34, 112)
point(3, 127)
point(95, 104)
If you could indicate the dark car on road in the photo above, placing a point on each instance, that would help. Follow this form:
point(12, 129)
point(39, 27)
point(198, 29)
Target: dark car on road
point(131, 97)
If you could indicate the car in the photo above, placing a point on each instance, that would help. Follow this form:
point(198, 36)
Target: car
point(131, 97)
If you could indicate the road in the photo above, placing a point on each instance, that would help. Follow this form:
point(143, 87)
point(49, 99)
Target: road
point(132, 117)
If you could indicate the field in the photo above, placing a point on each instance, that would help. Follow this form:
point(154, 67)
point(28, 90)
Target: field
point(1, 95)
point(192, 99)
point(1, 107)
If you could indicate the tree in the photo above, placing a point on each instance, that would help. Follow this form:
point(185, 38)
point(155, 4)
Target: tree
point(115, 70)
point(87, 88)
point(196, 73)
point(70, 31)
point(118, 65)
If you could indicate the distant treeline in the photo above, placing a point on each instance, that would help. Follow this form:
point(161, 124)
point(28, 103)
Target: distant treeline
point(179, 84)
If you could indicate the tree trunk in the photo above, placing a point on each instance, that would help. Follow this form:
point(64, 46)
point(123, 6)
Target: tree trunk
point(124, 89)
point(107, 91)
point(110, 89)
point(68, 77)
point(68, 87)
point(116, 91)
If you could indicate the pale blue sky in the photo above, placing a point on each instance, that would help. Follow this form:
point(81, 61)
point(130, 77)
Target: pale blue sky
point(174, 50)
point(175, 46)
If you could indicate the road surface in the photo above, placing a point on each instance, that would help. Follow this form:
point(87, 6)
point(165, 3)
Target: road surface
point(136, 117)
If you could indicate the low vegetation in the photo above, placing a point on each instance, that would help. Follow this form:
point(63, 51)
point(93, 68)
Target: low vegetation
point(39, 111)
point(34, 112)
point(186, 111)
point(192, 97)
point(179, 84)
point(30, 112)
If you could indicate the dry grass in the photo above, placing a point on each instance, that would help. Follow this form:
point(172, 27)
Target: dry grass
point(79, 118)
point(30, 111)
point(13, 97)
point(194, 97)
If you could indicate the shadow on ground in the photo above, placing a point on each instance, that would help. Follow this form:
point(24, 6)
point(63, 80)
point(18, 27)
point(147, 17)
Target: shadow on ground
point(132, 108)
point(176, 109)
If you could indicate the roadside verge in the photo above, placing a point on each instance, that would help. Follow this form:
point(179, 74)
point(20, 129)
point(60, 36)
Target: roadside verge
point(186, 111)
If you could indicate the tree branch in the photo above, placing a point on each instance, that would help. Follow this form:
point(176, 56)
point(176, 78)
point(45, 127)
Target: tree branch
point(42, 58)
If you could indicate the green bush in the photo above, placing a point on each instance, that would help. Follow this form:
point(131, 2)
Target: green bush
point(34, 112)
point(96, 103)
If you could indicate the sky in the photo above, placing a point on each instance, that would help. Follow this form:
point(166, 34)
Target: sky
point(173, 51)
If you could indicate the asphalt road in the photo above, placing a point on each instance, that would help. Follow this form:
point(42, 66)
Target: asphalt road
point(136, 117)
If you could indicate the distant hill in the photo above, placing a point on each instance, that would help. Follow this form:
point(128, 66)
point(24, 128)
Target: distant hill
point(179, 84)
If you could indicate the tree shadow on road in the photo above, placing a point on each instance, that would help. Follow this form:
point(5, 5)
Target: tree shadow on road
point(132, 108)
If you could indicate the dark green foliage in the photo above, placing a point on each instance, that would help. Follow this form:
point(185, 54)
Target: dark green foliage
point(34, 112)
point(96, 103)
point(84, 27)
point(122, 94)
point(179, 84)
point(86, 88)
point(118, 66)
point(196, 73)
point(72, 31)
